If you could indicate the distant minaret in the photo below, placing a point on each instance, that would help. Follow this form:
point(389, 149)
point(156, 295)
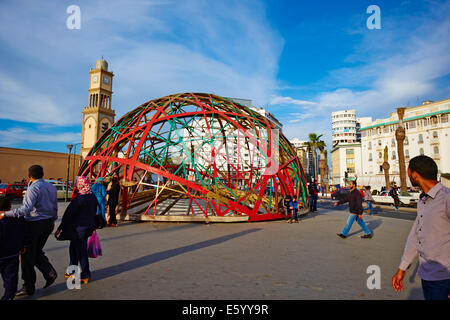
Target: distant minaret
point(98, 115)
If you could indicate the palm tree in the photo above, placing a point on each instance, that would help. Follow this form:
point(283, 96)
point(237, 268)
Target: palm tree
point(400, 134)
point(313, 144)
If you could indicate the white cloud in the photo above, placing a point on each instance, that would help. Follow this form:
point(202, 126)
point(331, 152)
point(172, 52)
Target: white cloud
point(22, 103)
point(398, 66)
point(277, 100)
point(224, 48)
point(15, 136)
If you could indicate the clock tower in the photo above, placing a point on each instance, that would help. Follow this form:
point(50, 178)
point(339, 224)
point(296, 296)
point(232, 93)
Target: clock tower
point(98, 115)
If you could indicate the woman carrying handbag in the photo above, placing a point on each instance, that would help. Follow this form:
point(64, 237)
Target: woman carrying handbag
point(77, 225)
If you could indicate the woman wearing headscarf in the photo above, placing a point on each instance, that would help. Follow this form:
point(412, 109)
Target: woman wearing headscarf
point(99, 190)
point(77, 225)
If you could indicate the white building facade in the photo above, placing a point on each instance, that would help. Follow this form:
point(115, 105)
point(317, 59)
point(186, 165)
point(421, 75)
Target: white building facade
point(427, 132)
point(346, 160)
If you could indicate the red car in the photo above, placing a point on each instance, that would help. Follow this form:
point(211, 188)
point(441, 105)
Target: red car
point(12, 190)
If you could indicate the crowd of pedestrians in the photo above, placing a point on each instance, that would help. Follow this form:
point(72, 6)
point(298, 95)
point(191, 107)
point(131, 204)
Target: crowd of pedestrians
point(24, 231)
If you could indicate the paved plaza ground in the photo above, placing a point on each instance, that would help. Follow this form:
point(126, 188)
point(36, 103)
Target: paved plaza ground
point(264, 260)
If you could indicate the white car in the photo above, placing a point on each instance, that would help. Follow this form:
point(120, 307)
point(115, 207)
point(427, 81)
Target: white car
point(384, 198)
point(60, 189)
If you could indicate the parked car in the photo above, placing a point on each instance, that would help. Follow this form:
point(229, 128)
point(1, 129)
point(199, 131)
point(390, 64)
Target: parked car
point(60, 189)
point(11, 190)
point(384, 198)
point(340, 193)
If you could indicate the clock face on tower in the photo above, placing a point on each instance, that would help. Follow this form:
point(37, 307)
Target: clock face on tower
point(95, 79)
point(105, 80)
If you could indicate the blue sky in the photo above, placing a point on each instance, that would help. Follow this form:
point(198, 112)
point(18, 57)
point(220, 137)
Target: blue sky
point(301, 59)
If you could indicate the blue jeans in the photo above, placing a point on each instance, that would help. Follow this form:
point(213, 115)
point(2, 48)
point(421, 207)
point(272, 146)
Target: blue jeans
point(313, 203)
point(436, 290)
point(295, 214)
point(351, 218)
point(369, 207)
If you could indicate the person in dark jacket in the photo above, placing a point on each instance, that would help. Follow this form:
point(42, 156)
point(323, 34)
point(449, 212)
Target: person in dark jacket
point(354, 200)
point(394, 194)
point(113, 200)
point(313, 196)
point(293, 205)
point(12, 243)
point(77, 225)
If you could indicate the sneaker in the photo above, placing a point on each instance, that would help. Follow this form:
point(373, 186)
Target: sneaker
point(24, 292)
point(367, 236)
point(341, 235)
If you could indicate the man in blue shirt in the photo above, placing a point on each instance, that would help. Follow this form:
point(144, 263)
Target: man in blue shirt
point(40, 209)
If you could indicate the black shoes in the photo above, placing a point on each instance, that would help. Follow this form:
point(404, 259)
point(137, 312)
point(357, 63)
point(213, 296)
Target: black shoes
point(50, 280)
point(341, 235)
point(367, 236)
point(24, 292)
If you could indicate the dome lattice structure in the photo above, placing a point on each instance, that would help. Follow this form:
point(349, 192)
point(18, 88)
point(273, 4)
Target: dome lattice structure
point(198, 156)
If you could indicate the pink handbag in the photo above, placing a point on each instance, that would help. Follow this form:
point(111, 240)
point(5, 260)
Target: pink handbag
point(94, 247)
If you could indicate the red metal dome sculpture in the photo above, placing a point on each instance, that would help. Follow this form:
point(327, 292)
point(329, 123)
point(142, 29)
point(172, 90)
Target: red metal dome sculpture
point(197, 156)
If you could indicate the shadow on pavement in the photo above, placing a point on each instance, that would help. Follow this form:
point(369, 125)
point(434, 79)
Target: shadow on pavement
point(143, 261)
point(372, 225)
point(177, 228)
point(415, 294)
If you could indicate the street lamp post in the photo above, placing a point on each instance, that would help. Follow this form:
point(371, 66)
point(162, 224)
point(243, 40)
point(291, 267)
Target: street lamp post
point(69, 146)
point(74, 158)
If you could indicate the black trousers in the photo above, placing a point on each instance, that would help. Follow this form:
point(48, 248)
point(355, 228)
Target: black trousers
point(36, 236)
point(78, 253)
point(112, 213)
point(396, 200)
point(9, 269)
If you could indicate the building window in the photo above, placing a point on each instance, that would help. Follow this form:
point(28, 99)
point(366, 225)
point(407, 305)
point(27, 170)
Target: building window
point(435, 134)
point(444, 118)
point(350, 151)
point(433, 120)
point(421, 151)
point(436, 150)
point(381, 169)
point(350, 161)
point(370, 157)
point(393, 143)
point(370, 145)
point(412, 124)
point(394, 156)
point(351, 170)
point(425, 122)
point(386, 129)
point(379, 142)
point(420, 138)
point(406, 142)
point(406, 153)
point(380, 155)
